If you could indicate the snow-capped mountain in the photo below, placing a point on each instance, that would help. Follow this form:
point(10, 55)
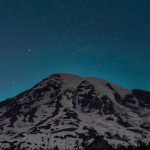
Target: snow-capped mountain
point(71, 112)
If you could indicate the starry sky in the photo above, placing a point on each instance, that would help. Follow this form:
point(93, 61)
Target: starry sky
point(108, 39)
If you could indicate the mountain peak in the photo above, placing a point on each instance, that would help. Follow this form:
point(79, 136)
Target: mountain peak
point(71, 112)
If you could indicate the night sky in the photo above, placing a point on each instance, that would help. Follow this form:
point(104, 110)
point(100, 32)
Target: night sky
point(108, 39)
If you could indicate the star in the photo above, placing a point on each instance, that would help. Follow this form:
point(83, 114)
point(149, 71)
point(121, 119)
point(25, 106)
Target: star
point(13, 82)
point(29, 50)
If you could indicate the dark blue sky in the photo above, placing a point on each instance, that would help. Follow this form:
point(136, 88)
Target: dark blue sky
point(109, 39)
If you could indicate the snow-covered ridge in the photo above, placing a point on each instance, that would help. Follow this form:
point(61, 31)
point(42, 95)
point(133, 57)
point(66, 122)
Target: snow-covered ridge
point(71, 111)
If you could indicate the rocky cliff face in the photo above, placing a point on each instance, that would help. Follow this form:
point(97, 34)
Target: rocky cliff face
point(72, 112)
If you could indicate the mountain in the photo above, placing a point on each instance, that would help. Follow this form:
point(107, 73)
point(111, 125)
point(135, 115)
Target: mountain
point(72, 112)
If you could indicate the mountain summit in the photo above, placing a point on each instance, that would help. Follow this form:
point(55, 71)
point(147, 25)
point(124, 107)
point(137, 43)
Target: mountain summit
point(71, 112)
